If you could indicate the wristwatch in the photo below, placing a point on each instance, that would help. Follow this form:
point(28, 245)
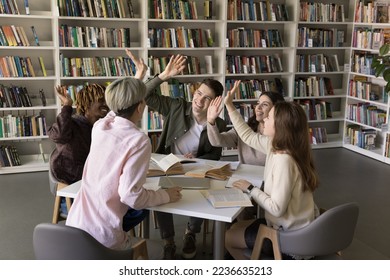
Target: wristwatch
point(249, 189)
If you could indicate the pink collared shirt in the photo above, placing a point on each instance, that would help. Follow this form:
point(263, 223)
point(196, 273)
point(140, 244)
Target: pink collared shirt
point(113, 179)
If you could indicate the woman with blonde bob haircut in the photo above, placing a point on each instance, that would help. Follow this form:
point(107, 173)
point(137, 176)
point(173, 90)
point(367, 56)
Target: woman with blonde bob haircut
point(115, 170)
point(289, 175)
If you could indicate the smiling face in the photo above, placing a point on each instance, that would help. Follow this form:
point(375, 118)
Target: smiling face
point(263, 107)
point(269, 124)
point(97, 110)
point(201, 100)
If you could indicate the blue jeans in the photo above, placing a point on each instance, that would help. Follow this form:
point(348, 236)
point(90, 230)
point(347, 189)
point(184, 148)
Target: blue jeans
point(133, 217)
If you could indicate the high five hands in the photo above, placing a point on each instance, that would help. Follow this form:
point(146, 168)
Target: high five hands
point(174, 67)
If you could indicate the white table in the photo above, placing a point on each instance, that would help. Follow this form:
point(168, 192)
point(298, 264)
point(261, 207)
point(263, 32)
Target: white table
point(193, 204)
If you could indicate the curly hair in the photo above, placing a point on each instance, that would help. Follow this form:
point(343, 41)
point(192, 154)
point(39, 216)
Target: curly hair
point(87, 95)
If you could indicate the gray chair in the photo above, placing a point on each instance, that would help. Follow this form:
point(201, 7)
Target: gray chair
point(61, 242)
point(324, 238)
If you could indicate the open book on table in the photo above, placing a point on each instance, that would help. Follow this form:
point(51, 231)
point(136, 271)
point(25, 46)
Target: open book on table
point(214, 170)
point(227, 198)
point(161, 165)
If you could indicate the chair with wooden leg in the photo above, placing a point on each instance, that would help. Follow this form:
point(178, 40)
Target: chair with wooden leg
point(55, 185)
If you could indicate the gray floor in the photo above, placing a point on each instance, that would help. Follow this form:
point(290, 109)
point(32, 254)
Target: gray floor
point(25, 201)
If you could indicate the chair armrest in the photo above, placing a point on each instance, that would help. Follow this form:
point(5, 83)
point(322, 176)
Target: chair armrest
point(271, 234)
point(140, 250)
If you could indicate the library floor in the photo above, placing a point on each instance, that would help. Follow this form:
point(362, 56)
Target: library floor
point(345, 176)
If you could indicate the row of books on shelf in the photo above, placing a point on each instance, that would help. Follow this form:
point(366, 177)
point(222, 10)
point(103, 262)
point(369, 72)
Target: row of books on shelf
point(366, 113)
point(237, 64)
point(254, 38)
point(178, 9)
point(12, 36)
point(320, 37)
point(361, 88)
point(96, 8)
point(157, 65)
point(321, 12)
point(317, 63)
point(14, 96)
point(362, 61)
point(316, 109)
point(155, 120)
point(252, 89)
point(318, 135)
point(180, 37)
point(96, 66)
point(361, 137)
point(313, 86)
point(370, 38)
point(176, 89)
point(250, 10)
point(11, 7)
point(93, 37)
point(9, 156)
point(16, 66)
point(22, 126)
point(375, 11)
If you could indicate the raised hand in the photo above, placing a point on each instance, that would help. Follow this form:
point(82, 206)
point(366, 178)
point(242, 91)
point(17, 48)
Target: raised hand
point(63, 96)
point(140, 65)
point(214, 109)
point(174, 67)
point(230, 96)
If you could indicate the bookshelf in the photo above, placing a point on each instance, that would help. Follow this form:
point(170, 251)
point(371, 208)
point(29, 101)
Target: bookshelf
point(150, 32)
point(17, 116)
point(367, 107)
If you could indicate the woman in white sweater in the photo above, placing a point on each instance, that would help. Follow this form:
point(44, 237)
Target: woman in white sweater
point(290, 177)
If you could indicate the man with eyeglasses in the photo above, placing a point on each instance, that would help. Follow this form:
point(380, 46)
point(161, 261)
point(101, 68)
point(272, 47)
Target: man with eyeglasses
point(185, 133)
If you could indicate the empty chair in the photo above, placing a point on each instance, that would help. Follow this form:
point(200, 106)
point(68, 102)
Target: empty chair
point(324, 238)
point(60, 242)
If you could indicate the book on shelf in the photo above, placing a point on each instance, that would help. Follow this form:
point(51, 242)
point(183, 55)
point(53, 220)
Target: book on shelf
point(381, 11)
point(228, 197)
point(208, 9)
point(42, 65)
point(216, 170)
point(161, 165)
point(26, 7)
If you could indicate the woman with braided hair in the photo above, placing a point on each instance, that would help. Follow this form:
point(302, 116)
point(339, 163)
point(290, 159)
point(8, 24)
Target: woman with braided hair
point(72, 132)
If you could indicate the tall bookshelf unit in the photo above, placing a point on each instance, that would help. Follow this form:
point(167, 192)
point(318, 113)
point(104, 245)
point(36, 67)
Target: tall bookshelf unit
point(232, 26)
point(367, 108)
point(30, 148)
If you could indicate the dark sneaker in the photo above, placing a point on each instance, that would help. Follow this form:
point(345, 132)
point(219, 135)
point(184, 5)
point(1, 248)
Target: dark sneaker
point(169, 252)
point(189, 246)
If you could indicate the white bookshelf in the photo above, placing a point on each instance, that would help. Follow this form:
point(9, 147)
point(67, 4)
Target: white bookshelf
point(44, 15)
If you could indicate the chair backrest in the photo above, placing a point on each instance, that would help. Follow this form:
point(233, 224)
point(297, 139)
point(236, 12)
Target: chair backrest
point(52, 181)
point(60, 242)
point(331, 232)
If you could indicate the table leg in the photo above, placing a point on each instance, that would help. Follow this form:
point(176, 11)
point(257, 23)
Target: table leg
point(219, 240)
point(146, 226)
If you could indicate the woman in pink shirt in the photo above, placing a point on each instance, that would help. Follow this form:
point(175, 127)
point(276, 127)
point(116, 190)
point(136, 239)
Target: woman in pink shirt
point(116, 168)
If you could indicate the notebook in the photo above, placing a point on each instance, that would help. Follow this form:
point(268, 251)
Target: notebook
point(184, 182)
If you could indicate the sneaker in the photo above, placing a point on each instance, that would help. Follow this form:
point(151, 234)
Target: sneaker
point(189, 246)
point(169, 252)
